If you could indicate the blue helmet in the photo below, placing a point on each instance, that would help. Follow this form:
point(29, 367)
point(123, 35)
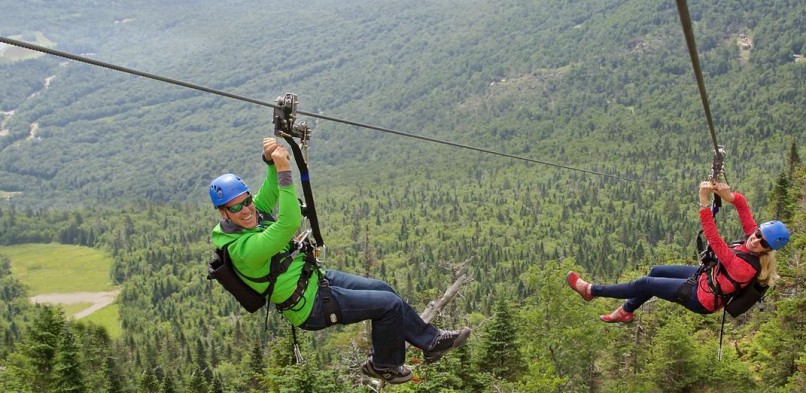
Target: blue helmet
point(775, 233)
point(226, 188)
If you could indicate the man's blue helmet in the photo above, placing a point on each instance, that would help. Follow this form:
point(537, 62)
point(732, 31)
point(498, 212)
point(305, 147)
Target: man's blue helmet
point(775, 233)
point(226, 188)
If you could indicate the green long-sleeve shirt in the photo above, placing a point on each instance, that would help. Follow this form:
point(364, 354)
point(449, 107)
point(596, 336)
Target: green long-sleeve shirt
point(251, 250)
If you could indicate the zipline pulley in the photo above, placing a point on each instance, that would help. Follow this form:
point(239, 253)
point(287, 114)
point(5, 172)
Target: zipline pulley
point(285, 116)
point(285, 126)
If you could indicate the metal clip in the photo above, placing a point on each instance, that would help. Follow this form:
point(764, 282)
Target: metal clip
point(299, 243)
point(320, 253)
point(298, 354)
point(717, 169)
point(303, 236)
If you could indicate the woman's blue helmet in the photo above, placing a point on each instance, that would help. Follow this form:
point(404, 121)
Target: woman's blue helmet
point(775, 233)
point(226, 188)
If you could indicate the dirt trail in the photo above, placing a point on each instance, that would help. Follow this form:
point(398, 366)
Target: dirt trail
point(99, 300)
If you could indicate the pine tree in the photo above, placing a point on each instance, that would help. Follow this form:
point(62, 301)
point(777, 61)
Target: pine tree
point(167, 385)
point(216, 386)
point(197, 383)
point(94, 343)
point(67, 369)
point(149, 383)
point(113, 376)
point(256, 364)
point(500, 354)
point(677, 363)
point(792, 159)
point(37, 350)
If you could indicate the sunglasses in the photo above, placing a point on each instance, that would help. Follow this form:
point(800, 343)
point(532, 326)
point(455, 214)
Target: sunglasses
point(763, 242)
point(239, 206)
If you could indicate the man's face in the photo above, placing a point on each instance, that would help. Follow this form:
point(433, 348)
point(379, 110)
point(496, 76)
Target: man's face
point(241, 211)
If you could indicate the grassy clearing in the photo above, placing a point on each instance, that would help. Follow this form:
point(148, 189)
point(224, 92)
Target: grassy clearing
point(60, 268)
point(50, 268)
point(108, 318)
point(75, 308)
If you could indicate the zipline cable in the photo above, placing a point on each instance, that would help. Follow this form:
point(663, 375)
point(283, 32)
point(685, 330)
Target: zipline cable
point(685, 20)
point(717, 168)
point(131, 71)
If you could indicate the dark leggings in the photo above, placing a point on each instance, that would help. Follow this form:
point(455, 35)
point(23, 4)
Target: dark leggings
point(662, 281)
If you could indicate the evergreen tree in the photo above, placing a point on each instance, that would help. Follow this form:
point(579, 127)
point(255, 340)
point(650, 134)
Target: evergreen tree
point(67, 369)
point(792, 160)
point(197, 383)
point(149, 382)
point(94, 344)
point(113, 376)
point(216, 386)
point(677, 361)
point(563, 338)
point(781, 198)
point(167, 385)
point(499, 348)
point(33, 367)
point(257, 366)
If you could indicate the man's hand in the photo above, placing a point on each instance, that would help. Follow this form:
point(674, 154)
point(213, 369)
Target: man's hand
point(269, 144)
point(282, 162)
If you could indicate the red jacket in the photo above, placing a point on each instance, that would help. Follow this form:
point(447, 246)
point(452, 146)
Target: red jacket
point(741, 270)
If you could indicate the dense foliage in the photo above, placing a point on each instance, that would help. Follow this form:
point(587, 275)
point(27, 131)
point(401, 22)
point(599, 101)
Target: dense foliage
point(103, 159)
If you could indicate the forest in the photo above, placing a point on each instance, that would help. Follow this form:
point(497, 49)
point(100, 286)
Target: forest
point(101, 159)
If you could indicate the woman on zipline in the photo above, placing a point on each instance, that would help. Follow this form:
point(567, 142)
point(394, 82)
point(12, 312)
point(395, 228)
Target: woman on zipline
point(703, 292)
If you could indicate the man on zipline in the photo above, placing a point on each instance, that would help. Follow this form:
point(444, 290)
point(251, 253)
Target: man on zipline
point(258, 246)
point(703, 291)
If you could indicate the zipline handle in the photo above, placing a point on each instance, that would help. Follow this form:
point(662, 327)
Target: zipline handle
point(717, 172)
point(285, 126)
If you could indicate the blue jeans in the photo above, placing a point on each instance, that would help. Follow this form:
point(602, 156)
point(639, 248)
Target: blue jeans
point(662, 282)
point(394, 322)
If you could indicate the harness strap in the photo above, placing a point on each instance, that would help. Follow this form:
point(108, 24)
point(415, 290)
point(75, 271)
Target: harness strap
point(330, 308)
point(712, 268)
point(279, 265)
point(302, 284)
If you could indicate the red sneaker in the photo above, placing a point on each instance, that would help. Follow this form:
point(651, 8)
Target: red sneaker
point(579, 285)
point(618, 316)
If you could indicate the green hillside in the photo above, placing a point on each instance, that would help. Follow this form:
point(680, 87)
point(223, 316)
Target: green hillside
point(574, 81)
point(97, 158)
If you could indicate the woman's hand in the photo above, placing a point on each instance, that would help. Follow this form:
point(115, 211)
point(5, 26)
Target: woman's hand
point(723, 190)
point(706, 188)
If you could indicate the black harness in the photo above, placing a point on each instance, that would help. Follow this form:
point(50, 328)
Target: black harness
point(279, 265)
point(740, 299)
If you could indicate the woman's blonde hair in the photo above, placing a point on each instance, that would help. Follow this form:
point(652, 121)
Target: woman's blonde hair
point(769, 269)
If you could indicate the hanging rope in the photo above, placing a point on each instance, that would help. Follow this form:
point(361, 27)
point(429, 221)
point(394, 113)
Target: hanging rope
point(94, 62)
